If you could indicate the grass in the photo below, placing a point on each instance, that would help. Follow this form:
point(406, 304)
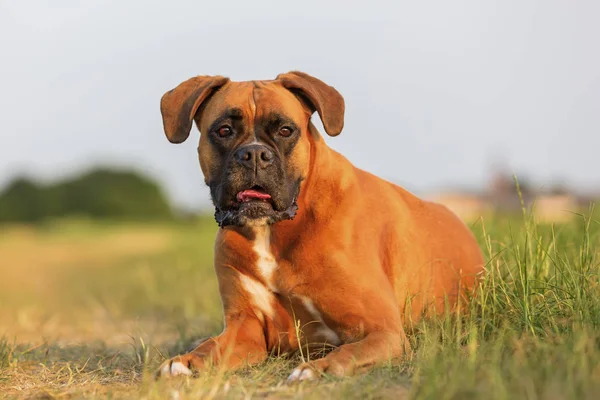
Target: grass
point(88, 310)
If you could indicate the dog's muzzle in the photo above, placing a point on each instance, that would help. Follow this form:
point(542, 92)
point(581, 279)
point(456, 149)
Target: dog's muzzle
point(256, 190)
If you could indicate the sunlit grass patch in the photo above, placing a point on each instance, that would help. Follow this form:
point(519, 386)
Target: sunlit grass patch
point(102, 327)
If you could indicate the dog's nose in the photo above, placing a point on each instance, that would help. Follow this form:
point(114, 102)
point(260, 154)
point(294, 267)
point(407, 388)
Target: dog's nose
point(254, 155)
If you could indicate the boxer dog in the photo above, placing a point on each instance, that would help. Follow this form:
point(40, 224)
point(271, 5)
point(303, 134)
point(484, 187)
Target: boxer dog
point(312, 253)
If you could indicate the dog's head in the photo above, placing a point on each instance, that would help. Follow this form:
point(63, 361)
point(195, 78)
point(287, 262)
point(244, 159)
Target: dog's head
point(254, 145)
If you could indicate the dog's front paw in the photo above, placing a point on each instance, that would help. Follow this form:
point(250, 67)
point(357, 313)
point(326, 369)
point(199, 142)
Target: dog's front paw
point(315, 369)
point(185, 364)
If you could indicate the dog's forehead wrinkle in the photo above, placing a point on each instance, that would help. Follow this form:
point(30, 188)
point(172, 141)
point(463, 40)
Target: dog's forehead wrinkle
point(252, 104)
point(252, 101)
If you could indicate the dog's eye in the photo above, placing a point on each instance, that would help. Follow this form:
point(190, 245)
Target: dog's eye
point(224, 131)
point(285, 131)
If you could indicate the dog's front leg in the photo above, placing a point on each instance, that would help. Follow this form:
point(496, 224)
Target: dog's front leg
point(375, 348)
point(241, 343)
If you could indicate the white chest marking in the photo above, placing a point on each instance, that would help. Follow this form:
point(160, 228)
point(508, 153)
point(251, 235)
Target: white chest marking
point(324, 330)
point(265, 264)
point(260, 296)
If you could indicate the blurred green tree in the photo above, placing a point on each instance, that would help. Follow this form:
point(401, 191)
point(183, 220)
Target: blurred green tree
point(23, 201)
point(100, 193)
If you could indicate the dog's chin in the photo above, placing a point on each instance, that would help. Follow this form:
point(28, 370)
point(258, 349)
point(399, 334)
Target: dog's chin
point(253, 213)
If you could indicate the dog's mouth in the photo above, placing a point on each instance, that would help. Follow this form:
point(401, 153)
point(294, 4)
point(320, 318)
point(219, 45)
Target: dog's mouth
point(256, 205)
point(255, 193)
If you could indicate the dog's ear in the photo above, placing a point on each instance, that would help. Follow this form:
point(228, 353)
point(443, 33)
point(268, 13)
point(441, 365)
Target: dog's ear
point(179, 106)
point(319, 97)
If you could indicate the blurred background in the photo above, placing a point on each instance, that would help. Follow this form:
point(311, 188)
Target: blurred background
point(448, 99)
point(106, 229)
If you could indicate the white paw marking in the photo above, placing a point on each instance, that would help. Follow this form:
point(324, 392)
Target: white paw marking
point(300, 374)
point(294, 375)
point(330, 336)
point(307, 374)
point(178, 368)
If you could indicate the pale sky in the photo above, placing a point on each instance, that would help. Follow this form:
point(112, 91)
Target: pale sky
point(435, 91)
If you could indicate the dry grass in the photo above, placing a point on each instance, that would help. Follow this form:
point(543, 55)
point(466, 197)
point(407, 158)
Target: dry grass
point(89, 310)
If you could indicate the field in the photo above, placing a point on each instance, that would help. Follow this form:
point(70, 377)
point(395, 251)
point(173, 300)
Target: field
point(88, 310)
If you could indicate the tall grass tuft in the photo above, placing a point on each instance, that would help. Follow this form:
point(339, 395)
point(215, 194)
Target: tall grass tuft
point(6, 353)
point(532, 329)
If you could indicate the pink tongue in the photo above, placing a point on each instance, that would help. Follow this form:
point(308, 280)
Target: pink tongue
point(252, 194)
